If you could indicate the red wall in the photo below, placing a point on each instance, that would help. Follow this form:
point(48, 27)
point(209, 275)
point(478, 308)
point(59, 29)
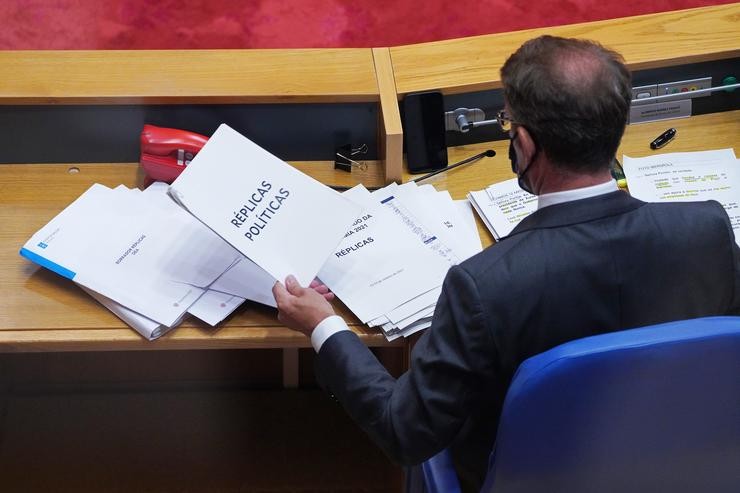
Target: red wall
point(167, 24)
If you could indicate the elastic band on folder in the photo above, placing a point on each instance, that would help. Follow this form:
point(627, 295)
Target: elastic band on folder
point(47, 264)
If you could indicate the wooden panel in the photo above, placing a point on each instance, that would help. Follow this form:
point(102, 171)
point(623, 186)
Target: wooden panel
point(391, 131)
point(698, 133)
point(290, 368)
point(647, 41)
point(187, 76)
point(113, 371)
point(187, 440)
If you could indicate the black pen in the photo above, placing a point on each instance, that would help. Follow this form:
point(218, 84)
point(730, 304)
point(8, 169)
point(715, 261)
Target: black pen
point(663, 139)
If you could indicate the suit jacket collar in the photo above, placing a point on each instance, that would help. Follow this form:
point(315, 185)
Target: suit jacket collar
point(578, 211)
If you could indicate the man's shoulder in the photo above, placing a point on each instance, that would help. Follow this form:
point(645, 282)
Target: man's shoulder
point(693, 215)
point(698, 207)
point(514, 254)
point(498, 257)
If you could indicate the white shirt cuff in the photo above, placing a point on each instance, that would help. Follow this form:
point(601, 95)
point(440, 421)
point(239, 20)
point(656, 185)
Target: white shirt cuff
point(327, 328)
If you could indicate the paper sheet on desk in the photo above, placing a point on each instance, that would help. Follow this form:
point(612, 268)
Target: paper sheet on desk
point(434, 219)
point(502, 206)
point(200, 250)
point(149, 329)
point(467, 225)
point(243, 279)
point(281, 219)
point(118, 245)
point(212, 306)
point(428, 237)
point(379, 264)
point(248, 280)
point(686, 177)
point(438, 213)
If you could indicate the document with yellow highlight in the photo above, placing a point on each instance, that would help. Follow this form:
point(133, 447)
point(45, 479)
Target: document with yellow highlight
point(502, 206)
point(686, 177)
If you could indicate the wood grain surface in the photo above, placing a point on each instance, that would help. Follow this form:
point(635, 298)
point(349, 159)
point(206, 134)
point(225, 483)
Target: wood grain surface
point(646, 41)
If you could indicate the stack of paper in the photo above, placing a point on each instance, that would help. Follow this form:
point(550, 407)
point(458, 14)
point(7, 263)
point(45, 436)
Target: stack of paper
point(390, 266)
point(139, 254)
point(238, 219)
point(502, 206)
point(150, 261)
point(688, 176)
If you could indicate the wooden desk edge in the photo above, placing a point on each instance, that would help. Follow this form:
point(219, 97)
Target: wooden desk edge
point(337, 98)
point(188, 76)
point(182, 338)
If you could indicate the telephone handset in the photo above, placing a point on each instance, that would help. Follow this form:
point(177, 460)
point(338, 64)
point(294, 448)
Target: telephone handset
point(166, 151)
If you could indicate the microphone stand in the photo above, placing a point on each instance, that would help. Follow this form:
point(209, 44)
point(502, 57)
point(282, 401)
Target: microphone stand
point(486, 153)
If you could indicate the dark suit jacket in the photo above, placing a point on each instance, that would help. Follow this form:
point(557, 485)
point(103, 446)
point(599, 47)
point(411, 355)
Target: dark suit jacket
point(567, 271)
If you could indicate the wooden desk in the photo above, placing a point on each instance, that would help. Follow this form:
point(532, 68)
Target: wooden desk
point(40, 311)
point(645, 41)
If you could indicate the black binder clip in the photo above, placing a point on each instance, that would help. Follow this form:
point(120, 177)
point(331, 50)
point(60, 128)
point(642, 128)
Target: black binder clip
point(343, 157)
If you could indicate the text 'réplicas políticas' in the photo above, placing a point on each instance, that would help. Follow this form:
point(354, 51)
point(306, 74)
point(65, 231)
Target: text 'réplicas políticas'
point(259, 209)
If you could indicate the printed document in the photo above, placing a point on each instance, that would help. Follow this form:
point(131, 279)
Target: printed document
point(438, 213)
point(502, 206)
point(117, 244)
point(380, 264)
point(149, 329)
point(688, 176)
point(281, 219)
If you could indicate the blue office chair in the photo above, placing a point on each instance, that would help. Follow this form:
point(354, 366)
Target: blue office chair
point(655, 409)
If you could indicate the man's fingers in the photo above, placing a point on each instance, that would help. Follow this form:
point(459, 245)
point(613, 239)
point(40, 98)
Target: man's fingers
point(321, 289)
point(328, 296)
point(280, 293)
point(291, 284)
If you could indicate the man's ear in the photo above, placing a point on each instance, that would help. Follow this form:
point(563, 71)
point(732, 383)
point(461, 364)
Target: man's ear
point(527, 147)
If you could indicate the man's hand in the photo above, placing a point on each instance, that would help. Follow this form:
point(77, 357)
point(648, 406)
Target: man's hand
point(322, 289)
point(301, 308)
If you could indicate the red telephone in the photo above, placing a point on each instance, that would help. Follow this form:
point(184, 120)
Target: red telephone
point(166, 151)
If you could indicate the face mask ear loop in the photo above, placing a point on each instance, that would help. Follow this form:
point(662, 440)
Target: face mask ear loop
point(515, 164)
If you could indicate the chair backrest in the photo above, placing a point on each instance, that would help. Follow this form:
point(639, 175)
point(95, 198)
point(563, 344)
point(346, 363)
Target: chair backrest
point(652, 409)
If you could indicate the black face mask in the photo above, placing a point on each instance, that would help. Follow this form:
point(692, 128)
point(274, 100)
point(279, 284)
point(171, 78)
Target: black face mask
point(515, 168)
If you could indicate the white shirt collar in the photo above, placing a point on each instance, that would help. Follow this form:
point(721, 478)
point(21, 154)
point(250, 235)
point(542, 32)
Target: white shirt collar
point(548, 199)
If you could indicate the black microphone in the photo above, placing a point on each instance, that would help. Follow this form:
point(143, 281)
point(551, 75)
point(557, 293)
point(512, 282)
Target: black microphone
point(486, 153)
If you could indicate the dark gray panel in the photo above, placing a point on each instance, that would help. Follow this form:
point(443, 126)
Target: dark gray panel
point(492, 101)
point(61, 134)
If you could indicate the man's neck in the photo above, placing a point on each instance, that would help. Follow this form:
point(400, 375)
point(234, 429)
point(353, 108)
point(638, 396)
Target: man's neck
point(561, 181)
point(548, 199)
